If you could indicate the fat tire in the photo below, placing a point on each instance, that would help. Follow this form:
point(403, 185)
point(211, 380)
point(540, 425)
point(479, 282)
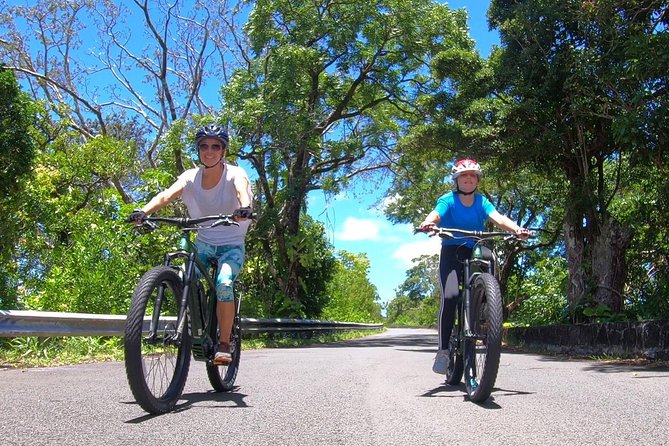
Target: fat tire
point(144, 295)
point(486, 305)
point(222, 378)
point(456, 364)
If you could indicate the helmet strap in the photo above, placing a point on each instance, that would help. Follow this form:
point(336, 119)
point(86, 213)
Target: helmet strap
point(458, 191)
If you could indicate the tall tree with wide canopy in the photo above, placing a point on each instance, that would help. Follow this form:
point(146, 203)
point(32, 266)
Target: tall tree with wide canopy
point(326, 90)
point(584, 88)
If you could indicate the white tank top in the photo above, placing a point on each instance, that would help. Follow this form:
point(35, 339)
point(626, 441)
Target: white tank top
point(220, 199)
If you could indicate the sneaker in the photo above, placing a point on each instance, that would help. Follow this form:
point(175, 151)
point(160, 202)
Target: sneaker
point(223, 356)
point(473, 385)
point(441, 362)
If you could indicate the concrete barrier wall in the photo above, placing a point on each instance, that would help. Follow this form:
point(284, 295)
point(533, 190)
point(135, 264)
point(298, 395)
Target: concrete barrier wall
point(645, 339)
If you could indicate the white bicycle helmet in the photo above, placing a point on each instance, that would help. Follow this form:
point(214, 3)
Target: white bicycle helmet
point(465, 165)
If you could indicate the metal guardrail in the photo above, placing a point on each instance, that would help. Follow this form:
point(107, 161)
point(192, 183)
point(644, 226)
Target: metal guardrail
point(16, 323)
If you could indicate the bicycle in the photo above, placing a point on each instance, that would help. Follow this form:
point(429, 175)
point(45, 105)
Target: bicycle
point(181, 317)
point(476, 341)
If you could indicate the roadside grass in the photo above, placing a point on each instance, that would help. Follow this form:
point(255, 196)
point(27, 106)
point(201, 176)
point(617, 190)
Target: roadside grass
point(26, 352)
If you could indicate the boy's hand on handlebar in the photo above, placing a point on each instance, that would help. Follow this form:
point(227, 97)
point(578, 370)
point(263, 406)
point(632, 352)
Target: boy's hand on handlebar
point(427, 227)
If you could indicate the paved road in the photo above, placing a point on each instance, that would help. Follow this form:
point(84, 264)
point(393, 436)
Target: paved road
point(375, 391)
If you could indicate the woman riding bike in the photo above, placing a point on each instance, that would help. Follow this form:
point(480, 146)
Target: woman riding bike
point(215, 187)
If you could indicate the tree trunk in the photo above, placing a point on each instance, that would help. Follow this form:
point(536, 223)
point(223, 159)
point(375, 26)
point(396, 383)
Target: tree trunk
point(292, 225)
point(596, 262)
point(609, 269)
point(574, 243)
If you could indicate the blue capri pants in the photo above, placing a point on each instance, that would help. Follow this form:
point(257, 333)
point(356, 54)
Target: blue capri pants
point(230, 260)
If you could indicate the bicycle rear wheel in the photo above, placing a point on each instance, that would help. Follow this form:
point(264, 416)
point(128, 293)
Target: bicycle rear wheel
point(156, 363)
point(455, 362)
point(483, 348)
point(222, 377)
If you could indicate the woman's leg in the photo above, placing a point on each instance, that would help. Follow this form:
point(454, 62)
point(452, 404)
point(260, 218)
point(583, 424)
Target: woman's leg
point(230, 262)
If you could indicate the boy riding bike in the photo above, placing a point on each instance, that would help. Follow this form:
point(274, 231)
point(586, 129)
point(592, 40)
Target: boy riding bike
point(464, 209)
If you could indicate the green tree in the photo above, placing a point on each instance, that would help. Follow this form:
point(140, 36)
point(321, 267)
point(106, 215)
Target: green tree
point(325, 91)
point(645, 206)
point(73, 255)
point(352, 297)
point(17, 152)
point(422, 279)
point(418, 297)
point(578, 100)
point(317, 263)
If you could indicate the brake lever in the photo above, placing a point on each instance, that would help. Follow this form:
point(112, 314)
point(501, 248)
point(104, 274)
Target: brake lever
point(150, 225)
point(224, 222)
point(445, 234)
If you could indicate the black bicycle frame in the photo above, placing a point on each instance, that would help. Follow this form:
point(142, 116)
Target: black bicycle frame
point(203, 323)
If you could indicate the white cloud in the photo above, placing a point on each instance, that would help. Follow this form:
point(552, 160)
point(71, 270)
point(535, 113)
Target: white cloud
point(356, 229)
point(412, 250)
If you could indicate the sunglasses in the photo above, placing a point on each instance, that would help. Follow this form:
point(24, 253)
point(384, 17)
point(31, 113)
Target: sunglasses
point(214, 147)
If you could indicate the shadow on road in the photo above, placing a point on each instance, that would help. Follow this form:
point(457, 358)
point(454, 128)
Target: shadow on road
point(188, 400)
point(459, 391)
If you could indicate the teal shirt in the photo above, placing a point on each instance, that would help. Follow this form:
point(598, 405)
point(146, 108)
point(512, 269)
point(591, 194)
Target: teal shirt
point(454, 214)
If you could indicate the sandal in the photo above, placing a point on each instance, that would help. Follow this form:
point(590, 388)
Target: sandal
point(223, 356)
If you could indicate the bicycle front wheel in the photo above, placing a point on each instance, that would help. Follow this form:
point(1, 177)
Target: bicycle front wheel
point(156, 361)
point(483, 347)
point(222, 377)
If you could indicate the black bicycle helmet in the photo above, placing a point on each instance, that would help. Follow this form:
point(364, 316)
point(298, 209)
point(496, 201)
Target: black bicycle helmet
point(212, 131)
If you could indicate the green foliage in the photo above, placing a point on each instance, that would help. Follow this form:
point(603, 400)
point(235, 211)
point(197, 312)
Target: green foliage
point(402, 311)
point(75, 252)
point(418, 297)
point(644, 205)
point(310, 248)
point(543, 294)
point(17, 151)
point(573, 100)
point(601, 313)
point(422, 279)
point(352, 297)
point(569, 117)
point(17, 144)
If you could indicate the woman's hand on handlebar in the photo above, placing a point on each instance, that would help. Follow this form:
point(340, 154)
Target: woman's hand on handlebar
point(523, 233)
point(137, 217)
point(243, 213)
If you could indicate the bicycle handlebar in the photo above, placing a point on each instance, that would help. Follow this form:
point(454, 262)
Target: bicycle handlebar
point(474, 235)
point(187, 224)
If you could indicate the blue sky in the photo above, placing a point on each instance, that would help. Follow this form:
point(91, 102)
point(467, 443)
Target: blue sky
point(354, 220)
